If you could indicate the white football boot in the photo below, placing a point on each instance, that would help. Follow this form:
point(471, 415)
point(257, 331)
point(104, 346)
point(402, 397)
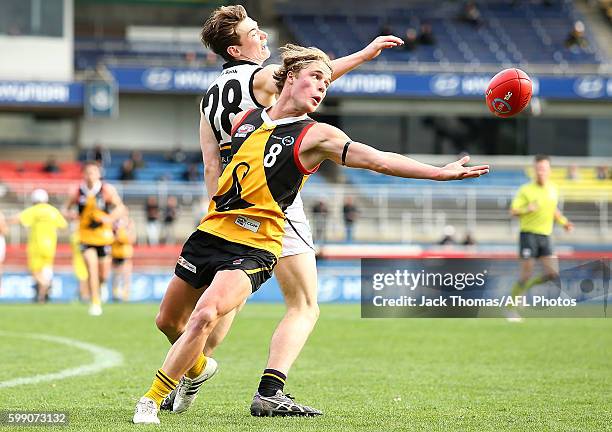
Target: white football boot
point(146, 412)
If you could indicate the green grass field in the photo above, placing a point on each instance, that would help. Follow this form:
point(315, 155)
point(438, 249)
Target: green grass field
point(374, 375)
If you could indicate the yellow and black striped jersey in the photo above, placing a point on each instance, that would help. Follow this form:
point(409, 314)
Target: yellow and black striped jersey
point(93, 206)
point(260, 182)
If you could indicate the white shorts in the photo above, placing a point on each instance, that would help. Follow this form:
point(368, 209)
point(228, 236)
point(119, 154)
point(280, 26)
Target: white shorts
point(298, 236)
point(2, 249)
point(297, 239)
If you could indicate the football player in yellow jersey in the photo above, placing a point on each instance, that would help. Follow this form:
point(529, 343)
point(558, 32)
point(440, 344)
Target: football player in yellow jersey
point(235, 248)
point(535, 204)
point(243, 84)
point(95, 199)
point(122, 251)
point(42, 220)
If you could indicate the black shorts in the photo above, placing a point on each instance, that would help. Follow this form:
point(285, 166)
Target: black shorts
point(204, 254)
point(118, 261)
point(101, 250)
point(534, 245)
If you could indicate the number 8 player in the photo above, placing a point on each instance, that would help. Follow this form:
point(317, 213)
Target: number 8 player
point(244, 84)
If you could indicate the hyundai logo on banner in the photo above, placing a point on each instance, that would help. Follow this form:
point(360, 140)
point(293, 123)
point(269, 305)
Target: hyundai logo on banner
point(158, 78)
point(590, 87)
point(445, 84)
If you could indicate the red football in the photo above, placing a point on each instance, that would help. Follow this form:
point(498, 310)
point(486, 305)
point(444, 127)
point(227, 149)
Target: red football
point(509, 92)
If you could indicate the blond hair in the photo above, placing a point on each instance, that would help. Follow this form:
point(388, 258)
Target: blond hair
point(295, 58)
point(219, 30)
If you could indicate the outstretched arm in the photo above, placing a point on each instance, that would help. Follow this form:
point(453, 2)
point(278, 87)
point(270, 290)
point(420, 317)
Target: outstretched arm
point(346, 64)
point(327, 142)
point(265, 87)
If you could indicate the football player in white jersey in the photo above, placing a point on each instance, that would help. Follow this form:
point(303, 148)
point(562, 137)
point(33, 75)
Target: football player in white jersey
point(244, 84)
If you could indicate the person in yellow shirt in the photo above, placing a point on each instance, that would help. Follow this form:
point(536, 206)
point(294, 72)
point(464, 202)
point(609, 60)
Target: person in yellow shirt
point(95, 199)
point(43, 220)
point(535, 204)
point(122, 251)
point(79, 267)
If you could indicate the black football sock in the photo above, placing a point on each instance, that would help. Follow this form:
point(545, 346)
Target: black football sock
point(271, 381)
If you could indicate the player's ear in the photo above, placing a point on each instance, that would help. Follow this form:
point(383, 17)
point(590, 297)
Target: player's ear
point(234, 51)
point(291, 76)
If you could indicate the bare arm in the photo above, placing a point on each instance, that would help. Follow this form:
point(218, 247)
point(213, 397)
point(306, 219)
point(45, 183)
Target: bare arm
point(264, 85)
point(115, 200)
point(346, 64)
point(562, 220)
point(210, 155)
point(327, 142)
point(66, 208)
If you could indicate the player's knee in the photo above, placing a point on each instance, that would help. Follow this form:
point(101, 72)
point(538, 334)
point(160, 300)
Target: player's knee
point(306, 309)
point(205, 317)
point(168, 325)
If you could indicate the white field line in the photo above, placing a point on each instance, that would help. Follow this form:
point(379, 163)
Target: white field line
point(103, 359)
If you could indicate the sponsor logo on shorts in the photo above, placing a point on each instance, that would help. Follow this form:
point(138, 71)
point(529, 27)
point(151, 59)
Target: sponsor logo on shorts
point(186, 264)
point(247, 223)
point(526, 253)
point(243, 130)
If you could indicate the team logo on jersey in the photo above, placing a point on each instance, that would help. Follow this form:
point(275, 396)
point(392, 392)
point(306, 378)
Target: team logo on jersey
point(186, 264)
point(243, 130)
point(232, 199)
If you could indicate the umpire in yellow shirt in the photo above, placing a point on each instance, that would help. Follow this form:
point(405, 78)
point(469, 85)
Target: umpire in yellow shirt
point(43, 221)
point(535, 204)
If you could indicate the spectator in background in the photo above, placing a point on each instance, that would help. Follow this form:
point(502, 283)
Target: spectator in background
point(572, 173)
point(137, 159)
point(211, 58)
point(51, 165)
point(349, 213)
point(100, 155)
point(170, 216)
point(469, 239)
point(319, 220)
point(192, 173)
point(385, 30)
point(576, 40)
point(410, 40)
point(127, 171)
point(152, 215)
point(176, 155)
point(448, 236)
point(426, 36)
point(471, 14)
point(601, 172)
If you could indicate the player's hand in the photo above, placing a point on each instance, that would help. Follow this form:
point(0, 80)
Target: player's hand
point(375, 47)
point(531, 207)
point(457, 170)
point(569, 227)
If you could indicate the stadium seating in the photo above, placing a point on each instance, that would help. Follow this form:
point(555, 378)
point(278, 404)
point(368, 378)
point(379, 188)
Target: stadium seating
point(527, 32)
